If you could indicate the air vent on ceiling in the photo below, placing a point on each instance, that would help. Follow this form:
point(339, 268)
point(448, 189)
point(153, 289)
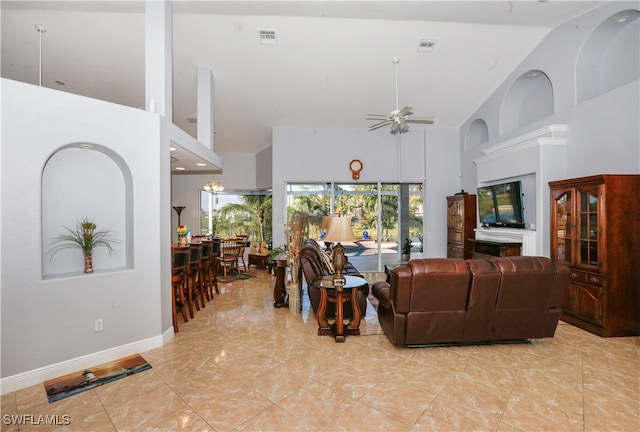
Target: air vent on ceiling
point(267, 37)
point(192, 119)
point(426, 45)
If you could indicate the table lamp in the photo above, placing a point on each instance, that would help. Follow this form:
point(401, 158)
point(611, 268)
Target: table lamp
point(339, 230)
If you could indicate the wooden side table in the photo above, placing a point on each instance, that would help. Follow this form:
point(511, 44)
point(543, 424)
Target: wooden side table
point(340, 295)
point(260, 261)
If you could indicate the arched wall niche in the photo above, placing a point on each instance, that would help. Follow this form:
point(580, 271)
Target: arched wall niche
point(610, 57)
point(477, 134)
point(529, 99)
point(86, 180)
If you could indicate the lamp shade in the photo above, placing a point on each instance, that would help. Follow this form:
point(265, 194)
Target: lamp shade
point(339, 230)
point(324, 224)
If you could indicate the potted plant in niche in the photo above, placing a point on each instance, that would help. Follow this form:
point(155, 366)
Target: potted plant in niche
point(86, 237)
point(406, 249)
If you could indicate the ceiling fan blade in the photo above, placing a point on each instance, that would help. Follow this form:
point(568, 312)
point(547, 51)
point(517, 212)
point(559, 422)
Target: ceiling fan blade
point(379, 125)
point(404, 127)
point(420, 120)
point(394, 127)
point(405, 111)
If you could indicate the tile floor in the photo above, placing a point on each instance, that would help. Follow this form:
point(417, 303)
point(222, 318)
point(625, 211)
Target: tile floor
point(243, 365)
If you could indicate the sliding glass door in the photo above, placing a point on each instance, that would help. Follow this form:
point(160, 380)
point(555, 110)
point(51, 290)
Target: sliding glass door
point(383, 216)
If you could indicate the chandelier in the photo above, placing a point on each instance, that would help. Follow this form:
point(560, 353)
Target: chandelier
point(213, 186)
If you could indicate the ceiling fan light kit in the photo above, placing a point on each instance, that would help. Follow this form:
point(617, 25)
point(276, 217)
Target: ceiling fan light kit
point(398, 118)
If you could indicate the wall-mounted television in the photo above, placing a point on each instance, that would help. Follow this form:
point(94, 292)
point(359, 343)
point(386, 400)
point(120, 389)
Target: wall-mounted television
point(500, 205)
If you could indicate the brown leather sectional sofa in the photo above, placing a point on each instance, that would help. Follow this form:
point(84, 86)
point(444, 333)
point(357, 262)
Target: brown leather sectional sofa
point(438, 301)
point(314, 268)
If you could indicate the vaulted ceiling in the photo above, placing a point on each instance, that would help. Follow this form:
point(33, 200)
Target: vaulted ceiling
point(329, 65)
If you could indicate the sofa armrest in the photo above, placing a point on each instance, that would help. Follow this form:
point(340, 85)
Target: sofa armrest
point(382, 291)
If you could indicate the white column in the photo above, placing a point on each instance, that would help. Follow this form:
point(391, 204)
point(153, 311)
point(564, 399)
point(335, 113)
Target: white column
point(158, 57)
point(205, 114)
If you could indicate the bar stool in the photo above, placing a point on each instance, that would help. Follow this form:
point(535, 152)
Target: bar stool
point(204, 277)
point(195, 250)
point(214, 265)
point(179, 260)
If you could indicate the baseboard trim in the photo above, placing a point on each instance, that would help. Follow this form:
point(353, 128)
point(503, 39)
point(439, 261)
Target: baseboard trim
point(37, 376)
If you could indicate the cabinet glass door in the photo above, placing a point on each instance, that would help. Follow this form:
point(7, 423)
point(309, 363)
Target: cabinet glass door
point(588, 229)
point(456, 215)
point(563, 210)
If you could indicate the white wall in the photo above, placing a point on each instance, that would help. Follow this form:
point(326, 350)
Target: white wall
point(603, 133)
point(323, 155)
point(50, 322)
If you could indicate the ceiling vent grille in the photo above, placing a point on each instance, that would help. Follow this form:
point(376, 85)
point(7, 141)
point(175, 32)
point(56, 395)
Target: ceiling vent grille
point(267, 37)
point(426, 45)
point(191, 119)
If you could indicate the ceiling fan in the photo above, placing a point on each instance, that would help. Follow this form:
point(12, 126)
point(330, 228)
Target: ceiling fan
point(398, 118)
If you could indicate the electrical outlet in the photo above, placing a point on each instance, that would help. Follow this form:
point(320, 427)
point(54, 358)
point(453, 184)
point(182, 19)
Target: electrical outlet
point(98, 327)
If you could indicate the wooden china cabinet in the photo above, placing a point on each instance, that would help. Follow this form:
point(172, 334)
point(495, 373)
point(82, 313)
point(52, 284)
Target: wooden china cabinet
point(461, 221)
point(595, 230)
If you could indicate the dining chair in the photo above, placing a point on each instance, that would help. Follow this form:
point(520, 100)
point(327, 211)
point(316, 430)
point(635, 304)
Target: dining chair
point(229, 252)
point(242, 242)
point(179, 260)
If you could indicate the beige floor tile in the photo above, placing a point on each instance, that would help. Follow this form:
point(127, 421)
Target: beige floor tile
point(185, 420)
point(398, 400)
point(31, 396)
point(550, 390)
point(98, 422)
point(485, 401)
point(532, 415)
point(277, 383)
point(274, 419)
point(228, 408)
point(361, 417)
point(445, 416)
point(604, 412)
point(76, 408)
point(147, 409)
point(484, 370)
point(122, 390)
point(613, 384)
point(317, 404)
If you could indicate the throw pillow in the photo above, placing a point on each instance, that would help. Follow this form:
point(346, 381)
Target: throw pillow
point(327, 258)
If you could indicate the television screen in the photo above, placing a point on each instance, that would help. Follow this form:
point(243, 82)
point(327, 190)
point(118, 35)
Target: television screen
point(508, 201)
point(486, 212)
point(501, 205)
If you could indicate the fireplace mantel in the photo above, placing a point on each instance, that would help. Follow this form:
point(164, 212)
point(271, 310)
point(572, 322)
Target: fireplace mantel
point(526, 237)
point(540, 153)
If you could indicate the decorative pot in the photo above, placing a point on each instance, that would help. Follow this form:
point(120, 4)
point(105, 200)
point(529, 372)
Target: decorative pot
point(88, 263)
point(182, 240)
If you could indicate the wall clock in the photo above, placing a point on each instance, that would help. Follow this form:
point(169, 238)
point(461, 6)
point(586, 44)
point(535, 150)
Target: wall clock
point(355, 166)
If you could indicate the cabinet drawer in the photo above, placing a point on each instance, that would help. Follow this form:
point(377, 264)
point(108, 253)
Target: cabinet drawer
point(586, 277)
point(454, 236)
point(454, 251)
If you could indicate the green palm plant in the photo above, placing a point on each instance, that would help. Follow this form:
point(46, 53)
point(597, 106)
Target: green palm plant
point(86, 237)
